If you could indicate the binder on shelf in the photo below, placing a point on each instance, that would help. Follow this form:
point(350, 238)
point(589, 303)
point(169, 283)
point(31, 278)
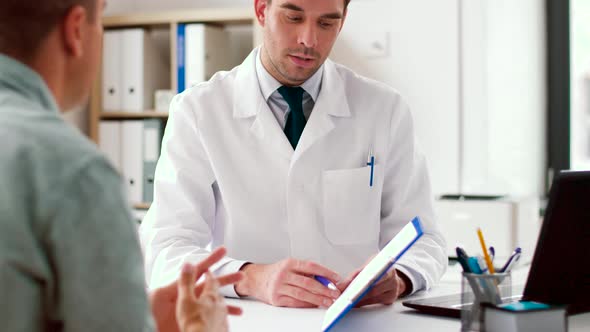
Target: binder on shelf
point(137, 143)
point(132, 159)
point(112, 96)
point(180, 57)
point(135, 67)
point(144, 70)
point(110, 142)
point(201, 52)
point(152, 138)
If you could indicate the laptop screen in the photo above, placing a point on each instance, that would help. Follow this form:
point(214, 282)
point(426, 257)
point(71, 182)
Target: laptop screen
point(560, 272)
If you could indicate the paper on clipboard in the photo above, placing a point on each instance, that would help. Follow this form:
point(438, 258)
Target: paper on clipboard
point(376, 268)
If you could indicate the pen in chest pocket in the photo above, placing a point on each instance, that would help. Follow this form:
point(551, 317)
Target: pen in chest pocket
point(371, 163)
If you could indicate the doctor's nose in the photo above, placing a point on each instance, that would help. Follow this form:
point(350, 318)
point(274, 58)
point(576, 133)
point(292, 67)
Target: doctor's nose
point(308, 36)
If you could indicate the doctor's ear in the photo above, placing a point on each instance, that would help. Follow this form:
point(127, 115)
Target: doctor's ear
point(260, 7)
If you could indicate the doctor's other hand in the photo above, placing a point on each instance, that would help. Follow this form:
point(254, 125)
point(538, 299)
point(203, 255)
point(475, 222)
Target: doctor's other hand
point(386, 291)
point(164, 300)
point(288, 283)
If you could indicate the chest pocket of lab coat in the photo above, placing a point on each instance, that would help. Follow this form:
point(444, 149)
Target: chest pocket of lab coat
point(352, 207)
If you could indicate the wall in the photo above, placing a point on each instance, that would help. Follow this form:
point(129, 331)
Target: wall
point(422, 62)
point(473, 72)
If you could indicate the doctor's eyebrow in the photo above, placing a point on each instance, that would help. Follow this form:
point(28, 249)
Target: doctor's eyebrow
point(292, 7)
point(331, 16)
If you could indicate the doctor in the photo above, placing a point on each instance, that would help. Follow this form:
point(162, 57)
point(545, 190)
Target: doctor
point(270, 160)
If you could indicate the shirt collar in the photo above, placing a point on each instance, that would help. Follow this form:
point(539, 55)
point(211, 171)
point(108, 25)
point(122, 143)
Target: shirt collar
point(269, 84)
point(26, 83)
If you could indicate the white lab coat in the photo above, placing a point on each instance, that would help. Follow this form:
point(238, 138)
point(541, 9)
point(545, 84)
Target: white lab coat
point(228, 176)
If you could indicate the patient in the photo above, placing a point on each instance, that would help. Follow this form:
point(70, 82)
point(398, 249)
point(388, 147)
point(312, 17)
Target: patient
point(69, 254)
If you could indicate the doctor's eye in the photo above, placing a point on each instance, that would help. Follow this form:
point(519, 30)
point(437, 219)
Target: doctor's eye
point(294, 19)
point(326, 25)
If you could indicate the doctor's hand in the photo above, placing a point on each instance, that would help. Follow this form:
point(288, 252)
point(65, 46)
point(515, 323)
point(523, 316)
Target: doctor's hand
point(386, 291)
point(164, 300)
point(288, 283)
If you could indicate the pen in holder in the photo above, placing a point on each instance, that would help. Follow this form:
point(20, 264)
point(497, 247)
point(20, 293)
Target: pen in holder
point(482, 288)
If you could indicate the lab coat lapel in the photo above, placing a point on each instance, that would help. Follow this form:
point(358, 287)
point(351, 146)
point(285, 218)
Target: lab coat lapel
point(249, 103)
point(332, 102)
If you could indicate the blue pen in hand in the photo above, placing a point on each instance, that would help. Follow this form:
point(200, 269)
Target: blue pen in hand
point(325, 282)
point(371, 162)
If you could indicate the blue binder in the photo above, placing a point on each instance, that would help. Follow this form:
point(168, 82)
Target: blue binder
point(180, 57)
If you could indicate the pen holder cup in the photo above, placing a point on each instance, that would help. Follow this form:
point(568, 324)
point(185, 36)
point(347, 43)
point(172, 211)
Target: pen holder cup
point(477, 289)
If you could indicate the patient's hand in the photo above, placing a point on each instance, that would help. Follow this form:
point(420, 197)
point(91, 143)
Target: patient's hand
point(164, 301)
point(201, 312)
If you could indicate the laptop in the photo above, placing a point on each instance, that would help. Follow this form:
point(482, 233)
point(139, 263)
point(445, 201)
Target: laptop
point(560, 270)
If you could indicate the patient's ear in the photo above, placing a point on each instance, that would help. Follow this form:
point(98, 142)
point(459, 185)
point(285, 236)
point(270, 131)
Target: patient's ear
point(74, 28)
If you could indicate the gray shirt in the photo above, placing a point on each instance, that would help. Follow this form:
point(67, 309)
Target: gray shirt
point(69, 255)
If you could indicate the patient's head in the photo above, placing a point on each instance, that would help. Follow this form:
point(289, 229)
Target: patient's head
point(60, 39)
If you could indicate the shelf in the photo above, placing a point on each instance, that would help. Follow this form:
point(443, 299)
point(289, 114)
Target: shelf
point(128, 115)
point(165, 20)
point(206, 15)
point(142, 206)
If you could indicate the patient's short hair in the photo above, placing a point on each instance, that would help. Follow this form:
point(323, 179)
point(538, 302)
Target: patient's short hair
point(24, 24)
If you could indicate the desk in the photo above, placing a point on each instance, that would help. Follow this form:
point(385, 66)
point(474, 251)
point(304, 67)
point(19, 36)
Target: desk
point(259, 317)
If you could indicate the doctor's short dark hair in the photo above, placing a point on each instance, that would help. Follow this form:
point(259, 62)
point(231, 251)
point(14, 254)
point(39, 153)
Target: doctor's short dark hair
point(346, 2)
point(24, 24)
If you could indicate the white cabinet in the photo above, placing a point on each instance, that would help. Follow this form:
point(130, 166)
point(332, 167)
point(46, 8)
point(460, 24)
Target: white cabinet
point(506, 224)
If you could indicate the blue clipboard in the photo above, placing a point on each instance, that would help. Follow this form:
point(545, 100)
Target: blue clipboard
point(372, 272)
